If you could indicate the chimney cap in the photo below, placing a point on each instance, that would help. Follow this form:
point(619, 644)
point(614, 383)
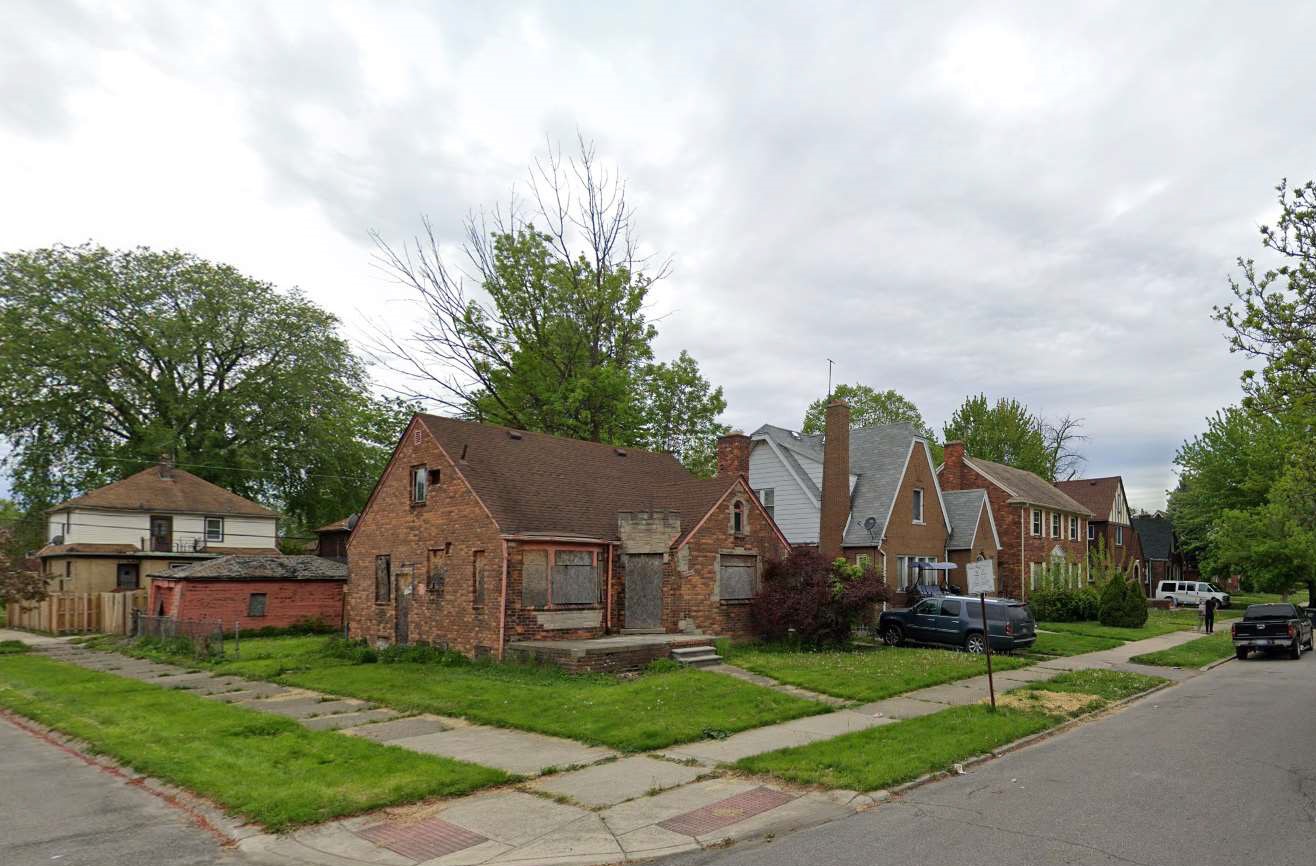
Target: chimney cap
point(954, 441)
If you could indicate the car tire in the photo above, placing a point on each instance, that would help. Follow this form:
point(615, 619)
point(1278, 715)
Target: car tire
point(1295, 651)
point(975, 644)
point(892, 635)
point(1240, 653)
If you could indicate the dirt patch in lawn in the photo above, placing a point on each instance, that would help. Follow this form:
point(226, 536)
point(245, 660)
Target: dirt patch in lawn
point(1051, 703)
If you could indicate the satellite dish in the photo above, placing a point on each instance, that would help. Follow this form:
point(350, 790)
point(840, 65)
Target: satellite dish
point(351, 521)
point(870, 524)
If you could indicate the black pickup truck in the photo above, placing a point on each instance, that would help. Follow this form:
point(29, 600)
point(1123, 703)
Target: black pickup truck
point(1267, 627)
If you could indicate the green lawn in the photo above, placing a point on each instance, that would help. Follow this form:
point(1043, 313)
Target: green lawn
point(1158, 622)
point(1053, 644)
point(265, 768)
point(888, 755)
point(1240, 601)
point(651, 711)
point(866, 674)
point(261, 658)
point(1193, 654)
point(12, 647)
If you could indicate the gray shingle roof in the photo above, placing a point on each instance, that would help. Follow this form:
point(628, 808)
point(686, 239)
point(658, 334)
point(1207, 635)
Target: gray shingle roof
point(877, 456)
point(1156, 534)
point(963, 508)
point(1028, 487)
point(259, 568)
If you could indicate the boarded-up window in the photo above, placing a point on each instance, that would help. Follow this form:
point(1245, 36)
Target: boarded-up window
point(575, 577)
point(381, 579)
point(534, 578)
point(256, 604)
point(438, 571)
point(477, 577)
point(737, 576)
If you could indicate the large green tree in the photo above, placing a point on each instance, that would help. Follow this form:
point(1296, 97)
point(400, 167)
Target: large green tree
point(1004, 431)
point(868, 408)
point(109, 359)
point(557, 339)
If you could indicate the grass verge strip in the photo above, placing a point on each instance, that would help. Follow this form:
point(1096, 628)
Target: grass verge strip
point(1193, 654)
point(888, 755)
point(265, 768)
point(1058, 644)
point(867, 675)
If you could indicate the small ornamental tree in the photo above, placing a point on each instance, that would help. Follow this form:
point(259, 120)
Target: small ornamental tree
point(17, 583)
point(820, 602)
point(1122, 603)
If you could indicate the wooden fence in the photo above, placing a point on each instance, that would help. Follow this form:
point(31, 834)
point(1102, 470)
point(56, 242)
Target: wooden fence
point(78, 612)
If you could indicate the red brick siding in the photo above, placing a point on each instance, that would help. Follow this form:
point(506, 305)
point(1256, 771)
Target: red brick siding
point(524, 623)
point(392, 525)
point(286, 601)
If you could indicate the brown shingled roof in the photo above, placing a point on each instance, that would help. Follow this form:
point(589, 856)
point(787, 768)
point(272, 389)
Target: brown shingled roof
point(1095, 494)
point(537, 484)
point(183, 492)
point(1028, 487)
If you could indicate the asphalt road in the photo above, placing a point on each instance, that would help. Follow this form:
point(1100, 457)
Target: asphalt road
point(1218, 770)
point(57, 809)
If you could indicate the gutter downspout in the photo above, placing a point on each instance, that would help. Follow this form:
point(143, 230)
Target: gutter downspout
point(607, 595)
point(502, 608)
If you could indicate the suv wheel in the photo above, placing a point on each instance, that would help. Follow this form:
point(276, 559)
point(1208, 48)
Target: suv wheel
point(975, 644)
point(893, 636)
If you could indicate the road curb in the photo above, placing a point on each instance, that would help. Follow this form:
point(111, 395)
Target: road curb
point(1213, 665)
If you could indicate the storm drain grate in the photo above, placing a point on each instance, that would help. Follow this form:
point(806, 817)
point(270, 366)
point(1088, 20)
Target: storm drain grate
point(423, 840)
point(726, 812)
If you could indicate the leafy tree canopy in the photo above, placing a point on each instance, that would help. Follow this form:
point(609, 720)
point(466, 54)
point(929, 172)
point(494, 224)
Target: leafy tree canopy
point(868, 408)
point(558, 339)
point(109, 359)
point(1005, 432)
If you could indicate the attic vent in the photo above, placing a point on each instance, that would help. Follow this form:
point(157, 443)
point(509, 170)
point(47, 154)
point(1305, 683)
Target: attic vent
point(621, 452)
point(464, 444)
point(415, 435)
point(513, 434)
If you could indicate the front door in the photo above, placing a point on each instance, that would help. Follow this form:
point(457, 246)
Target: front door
point(644, 590)
point(126, 576)
point(162, 534)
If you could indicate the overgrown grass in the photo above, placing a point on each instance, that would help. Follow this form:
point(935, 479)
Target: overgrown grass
point(648, 712)
point(12, 647)
point(262, 658)
point(265, 768)
point(865, 674)
point(1159, 622)
point(1055, 644)
point(888, 755)
point(1240, 601)
point(1193, 654)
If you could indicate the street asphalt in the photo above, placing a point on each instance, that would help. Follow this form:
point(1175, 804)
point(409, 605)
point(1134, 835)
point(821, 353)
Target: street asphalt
point(1218, 770)
point(57, 809)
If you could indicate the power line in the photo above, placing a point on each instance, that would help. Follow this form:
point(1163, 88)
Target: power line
point(227, 534)
point(264, 472)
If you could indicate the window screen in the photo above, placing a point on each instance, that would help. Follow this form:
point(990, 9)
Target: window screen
point(575, 577)
point(738, 576)
point(256, 604)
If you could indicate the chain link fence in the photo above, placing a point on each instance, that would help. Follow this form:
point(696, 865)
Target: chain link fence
point(204, 637)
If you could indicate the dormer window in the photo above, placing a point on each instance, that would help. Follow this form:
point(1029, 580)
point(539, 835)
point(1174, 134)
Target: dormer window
point(420, 478)
point(738, 517)
point(918, 505)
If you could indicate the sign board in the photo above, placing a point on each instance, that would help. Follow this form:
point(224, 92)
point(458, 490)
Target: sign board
point(981, 576)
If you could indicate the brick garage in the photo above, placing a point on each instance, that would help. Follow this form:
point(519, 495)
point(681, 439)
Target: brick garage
point(256, 591)
point(477, 537)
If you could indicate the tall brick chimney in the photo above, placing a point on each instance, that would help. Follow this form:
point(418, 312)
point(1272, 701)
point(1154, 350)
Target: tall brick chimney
point(952, 473)
point(166, 466)
point(733, 455)
point(835, 480)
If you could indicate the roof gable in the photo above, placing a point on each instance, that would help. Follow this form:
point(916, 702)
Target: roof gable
point(179, 492)
point(1025, 486)
point(1095, 494)
point(964, 510)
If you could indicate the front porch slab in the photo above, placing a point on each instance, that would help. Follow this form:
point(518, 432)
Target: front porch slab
point(609, 654)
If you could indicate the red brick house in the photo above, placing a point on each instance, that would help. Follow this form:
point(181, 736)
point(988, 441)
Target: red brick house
point(1111, 526)
point(1036, 522)
point(477, 537)
point(256, 591)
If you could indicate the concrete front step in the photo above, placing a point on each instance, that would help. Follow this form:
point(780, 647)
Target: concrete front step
point(696, 656)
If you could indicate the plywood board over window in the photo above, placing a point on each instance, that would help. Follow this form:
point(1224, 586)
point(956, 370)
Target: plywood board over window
point(737, 576)
point(534, 578)
point(575, 577)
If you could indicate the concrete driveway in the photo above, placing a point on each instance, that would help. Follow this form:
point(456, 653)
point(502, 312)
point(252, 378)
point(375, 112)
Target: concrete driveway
point(1219, 770)
point(55, 808)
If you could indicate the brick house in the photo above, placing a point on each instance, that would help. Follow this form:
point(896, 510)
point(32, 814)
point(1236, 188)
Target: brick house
point(256, 591)
point(478, 537)
point(973, 529)
point(1037, 523)
point(1160, 551)
point(1111, 527)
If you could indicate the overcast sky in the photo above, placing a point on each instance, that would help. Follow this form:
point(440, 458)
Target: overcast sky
point(1040, 201)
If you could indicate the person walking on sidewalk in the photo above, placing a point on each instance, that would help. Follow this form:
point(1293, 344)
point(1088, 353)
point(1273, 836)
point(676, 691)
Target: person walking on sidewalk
point(1209, 606)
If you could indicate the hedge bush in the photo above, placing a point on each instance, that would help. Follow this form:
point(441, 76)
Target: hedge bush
point(1064, 604)
point(1122, 604)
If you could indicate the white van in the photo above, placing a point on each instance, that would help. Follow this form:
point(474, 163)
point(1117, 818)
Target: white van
point(1192, 592)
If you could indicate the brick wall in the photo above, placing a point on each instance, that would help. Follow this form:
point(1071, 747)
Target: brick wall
point(733, 455)
point(451, 522)
point(902, 536)
point(286, 601)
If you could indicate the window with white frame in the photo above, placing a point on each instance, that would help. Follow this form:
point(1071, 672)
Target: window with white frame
point(1073, 528)
point(918, 504)
point(214, 529)
point(420, 477)
point(1037, 522)
point(1119, 535)
point(768, 499)
point(1092, 532)
point(1055, 524)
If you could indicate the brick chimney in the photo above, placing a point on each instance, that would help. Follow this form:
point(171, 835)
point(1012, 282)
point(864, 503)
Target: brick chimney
point(835, 480)
point(952, 474)
point(733, 455)
point(166, 466)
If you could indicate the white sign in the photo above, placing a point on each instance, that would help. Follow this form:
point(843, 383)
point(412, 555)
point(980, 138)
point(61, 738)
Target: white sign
point(981, 577)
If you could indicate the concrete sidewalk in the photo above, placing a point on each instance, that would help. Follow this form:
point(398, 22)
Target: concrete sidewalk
point(605, 809)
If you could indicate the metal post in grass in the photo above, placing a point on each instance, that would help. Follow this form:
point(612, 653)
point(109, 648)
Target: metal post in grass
point(987, 648)
point(237, 638)
point(982, 580)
